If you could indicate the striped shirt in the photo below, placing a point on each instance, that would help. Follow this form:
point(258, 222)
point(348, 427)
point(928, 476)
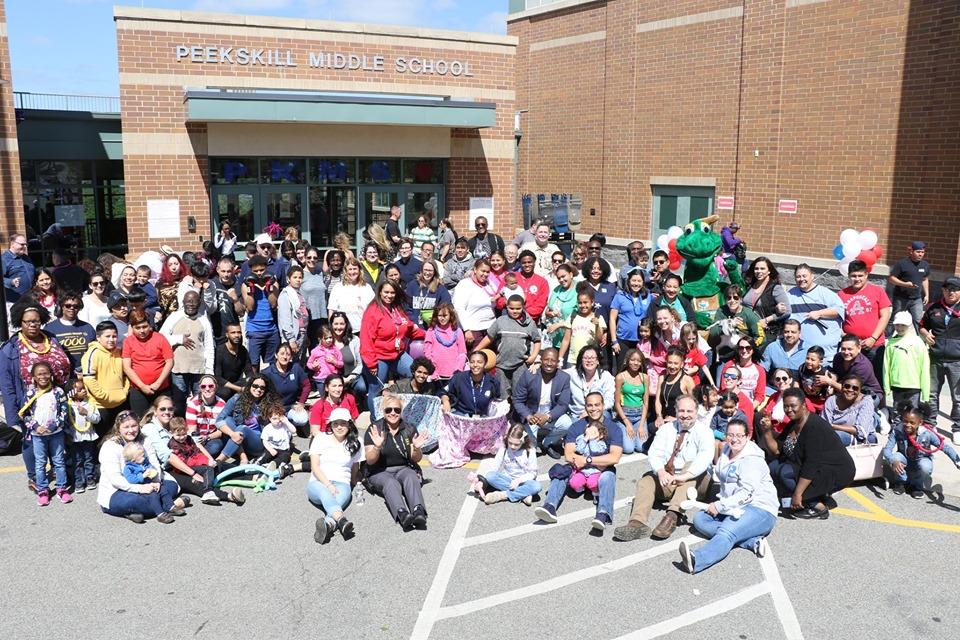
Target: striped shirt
point(201, 418)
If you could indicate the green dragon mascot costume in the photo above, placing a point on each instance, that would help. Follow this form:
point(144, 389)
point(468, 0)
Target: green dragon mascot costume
point(706, 274)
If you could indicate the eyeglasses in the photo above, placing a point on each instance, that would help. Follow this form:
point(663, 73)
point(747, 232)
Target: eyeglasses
point(261, 387)
point(339, 424)
point(208, 386)
point(557, 261)
point(736, 436)
point(851, 387)
point(265, 246)
point(71, 306)
point(31, 323)
point(311, 258)
point(733, 297)
point(592, 249)
point(388, 410)
point(659, 262)
point(480, 225)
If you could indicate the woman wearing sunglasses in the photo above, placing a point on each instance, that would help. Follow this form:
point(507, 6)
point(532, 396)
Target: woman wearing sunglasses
point(203, 410)
point(240, 419)
point(95, 309)
point(392, 449)
point(733, 319)
point(753, 377)
point(771, 411)
point(850, 413)
point(334, 470)
point(314, 291)
point(118, 497)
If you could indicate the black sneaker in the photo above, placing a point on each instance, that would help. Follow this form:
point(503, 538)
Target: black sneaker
point(600, 522)
point(135, 517)
point(419, 517)
point(322, 533)
point(165, 518)
point(916, 494)
point(898, 488)
point(177, 511)
point(185, 500)
point(547, 513)
point(345, 527)
point(286, 469)
point(405, 518)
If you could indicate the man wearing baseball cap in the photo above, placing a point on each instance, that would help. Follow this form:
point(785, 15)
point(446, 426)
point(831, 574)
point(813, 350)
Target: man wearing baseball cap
point(940, 328)
point(276, 265)
point(909, 277)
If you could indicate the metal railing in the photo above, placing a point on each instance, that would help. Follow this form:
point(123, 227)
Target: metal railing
point(65, 102)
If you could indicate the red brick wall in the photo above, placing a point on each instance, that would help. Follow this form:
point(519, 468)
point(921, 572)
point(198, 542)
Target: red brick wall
point(853, 110)
point(11, 196)
point(152, 109)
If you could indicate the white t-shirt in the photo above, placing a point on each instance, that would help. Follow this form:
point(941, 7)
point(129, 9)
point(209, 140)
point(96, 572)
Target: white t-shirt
point(335, 460)
point(546, 388)
point(277, 437)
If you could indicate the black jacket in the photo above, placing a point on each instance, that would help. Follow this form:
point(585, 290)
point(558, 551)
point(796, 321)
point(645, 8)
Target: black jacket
point(946, 347)
point(495, 242)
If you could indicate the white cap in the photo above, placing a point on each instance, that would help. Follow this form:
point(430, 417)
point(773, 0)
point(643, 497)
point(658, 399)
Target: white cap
point(338, 415)
point(903, 317)
point(263, 238)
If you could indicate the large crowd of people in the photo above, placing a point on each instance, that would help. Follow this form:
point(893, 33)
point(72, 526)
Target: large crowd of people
point(143, 384)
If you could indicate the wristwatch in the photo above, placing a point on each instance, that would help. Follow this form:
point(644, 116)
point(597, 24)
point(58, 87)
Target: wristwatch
point(589, 459)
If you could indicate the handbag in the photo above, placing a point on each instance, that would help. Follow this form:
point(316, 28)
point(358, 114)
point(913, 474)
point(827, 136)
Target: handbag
point(560, 471)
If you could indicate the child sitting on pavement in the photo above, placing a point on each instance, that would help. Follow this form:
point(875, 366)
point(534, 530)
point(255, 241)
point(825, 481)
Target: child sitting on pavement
point(591, 443)
point(136, 469)
point(910, 448)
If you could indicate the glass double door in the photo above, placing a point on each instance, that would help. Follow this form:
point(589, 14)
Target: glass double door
point(250, 209)
point(376, 202)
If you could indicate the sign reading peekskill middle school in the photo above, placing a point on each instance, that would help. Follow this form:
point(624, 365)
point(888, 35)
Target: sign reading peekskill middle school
point(262, 57)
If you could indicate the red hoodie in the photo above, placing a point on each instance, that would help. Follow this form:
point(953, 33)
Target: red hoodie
point(536, 290)
point(379, 332)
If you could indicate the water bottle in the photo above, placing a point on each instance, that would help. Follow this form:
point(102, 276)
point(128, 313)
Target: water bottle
point(358, 495)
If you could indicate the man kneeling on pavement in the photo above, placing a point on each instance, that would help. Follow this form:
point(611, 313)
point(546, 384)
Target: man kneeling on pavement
point(680, 457)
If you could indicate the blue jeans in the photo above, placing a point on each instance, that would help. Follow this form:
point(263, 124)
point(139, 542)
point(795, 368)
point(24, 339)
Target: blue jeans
point(635, 443)
point(398, 366)
point(551, 434)
point(262, 345)
point(726, 532)
point(29, 460)
point(215, 446)
point(848, 439)
point(52, 445)
point(501, 482)
point(84, 458)
point(917, 472)
point(784, 477)
point(123, 503)
point(607, 491)
point(252, 444)
point(321, 497)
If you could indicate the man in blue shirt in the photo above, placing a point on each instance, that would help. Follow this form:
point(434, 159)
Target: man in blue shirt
point(605, 463)
point(18, 271)
point(787, 352)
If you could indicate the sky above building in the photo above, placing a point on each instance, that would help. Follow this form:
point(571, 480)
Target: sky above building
point(70, 46)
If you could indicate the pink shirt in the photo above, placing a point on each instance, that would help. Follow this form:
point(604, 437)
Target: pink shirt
point(446, 349)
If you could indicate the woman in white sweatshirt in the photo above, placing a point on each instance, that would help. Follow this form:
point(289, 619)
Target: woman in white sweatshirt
point(746, 509)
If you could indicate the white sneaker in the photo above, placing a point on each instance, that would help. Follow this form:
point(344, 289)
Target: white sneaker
point(686, 556)
point(527, 500)
point(956, 438)
point(209, 498)
point(761, 547)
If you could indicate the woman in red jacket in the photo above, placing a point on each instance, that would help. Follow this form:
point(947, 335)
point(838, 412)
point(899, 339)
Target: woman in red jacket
point(385, 333)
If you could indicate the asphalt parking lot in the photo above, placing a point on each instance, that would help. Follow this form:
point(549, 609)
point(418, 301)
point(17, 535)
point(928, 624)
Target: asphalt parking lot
point(882, 566)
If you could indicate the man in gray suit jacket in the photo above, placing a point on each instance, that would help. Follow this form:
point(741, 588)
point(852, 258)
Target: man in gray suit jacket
point(541, 401)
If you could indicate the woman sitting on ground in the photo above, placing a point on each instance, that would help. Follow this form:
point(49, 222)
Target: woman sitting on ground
point(745, 511)
point(292, 384)
point(335, 397)
point(469, 393)
point(851, 413)
point(240, 419)
point(392, 449)
point(335, 464)
point(119, 497)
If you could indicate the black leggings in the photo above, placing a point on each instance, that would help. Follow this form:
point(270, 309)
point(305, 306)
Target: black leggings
point(282, 457)
point(188, 485)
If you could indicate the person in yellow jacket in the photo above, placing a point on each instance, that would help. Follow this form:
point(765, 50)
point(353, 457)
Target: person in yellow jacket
point(102, 370)
point(906, 365)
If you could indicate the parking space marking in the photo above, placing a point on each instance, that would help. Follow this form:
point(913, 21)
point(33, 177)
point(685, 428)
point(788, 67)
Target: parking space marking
point(19, 469)
point(707, 611)
point(567, 518)
point(781, 600)
point(559, 582)
point(875, 513)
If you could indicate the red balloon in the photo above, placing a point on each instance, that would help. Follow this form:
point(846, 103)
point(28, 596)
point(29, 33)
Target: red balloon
point(868, 257)
point(674, 265)
point(672, 245)
point(878, 251)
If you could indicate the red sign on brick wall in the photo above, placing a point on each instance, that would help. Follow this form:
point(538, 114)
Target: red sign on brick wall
point(725, 203)
point(787, 206)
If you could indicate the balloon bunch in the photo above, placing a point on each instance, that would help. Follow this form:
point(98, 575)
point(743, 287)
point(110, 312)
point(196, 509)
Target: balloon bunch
point(856, 245)
point(668, 242)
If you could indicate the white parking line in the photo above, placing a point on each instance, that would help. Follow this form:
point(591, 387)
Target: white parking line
point(431, 604)
point(707, 611)
point(781, 601)
point(560, 581)
point(567, 518)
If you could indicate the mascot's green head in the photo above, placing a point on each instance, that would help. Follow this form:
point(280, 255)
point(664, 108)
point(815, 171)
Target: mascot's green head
point(699, 244)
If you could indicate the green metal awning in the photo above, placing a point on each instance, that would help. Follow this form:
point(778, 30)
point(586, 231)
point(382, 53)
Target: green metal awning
point(225, 106)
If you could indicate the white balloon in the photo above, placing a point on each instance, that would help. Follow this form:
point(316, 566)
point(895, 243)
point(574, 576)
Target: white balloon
point(663, 243)
point(852, 249)
point(844, 268)
point(152, 259)
point(868, 239)
point(849, 235)
point(674, 232)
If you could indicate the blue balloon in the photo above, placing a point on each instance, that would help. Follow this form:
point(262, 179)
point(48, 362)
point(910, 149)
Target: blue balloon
point(838, 252)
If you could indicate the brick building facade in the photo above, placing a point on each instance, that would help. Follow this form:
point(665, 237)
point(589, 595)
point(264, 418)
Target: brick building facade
point(11, 198)
point(852, 109)
point(170, 146)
